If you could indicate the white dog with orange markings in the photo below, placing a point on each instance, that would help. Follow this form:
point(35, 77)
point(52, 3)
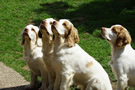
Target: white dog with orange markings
point(33, 56)
point(72, 62)
point(47, 39)
point(123, 55)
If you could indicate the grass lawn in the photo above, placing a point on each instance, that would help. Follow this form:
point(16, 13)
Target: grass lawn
point(88, 16)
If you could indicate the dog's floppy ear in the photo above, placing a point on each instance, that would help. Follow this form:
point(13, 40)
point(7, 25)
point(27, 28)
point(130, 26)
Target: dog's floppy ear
point(39, 34)
point(123, 38)
point(71, 36)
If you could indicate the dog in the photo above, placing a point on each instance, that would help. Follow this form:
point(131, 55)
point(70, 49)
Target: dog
point(47, 37)
point(73, 63)
point(122, 62)
point(33, 55)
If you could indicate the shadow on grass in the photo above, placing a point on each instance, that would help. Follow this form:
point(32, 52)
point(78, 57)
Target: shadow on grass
point(93, 15)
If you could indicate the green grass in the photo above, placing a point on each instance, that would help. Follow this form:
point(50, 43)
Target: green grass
point(88, 16)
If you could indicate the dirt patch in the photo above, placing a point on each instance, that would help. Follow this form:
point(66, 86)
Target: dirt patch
point(10, 79)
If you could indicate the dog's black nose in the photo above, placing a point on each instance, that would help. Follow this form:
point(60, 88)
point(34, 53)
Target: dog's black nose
point(26, 29)
point(43, 22)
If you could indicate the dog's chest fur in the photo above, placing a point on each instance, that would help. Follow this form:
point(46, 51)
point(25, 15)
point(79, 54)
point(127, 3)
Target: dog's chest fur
point(34, 59)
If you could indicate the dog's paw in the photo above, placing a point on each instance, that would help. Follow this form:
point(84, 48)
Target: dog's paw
point(29, 87)
point(42, 88)
point(50, 88)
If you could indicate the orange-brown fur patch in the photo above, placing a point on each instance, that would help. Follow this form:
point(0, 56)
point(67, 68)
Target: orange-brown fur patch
point(71, 34)
point(89, 64)
point(123, 36)
point(66, 25)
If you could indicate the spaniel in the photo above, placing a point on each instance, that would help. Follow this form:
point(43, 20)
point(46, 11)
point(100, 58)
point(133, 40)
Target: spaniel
point(73, 63)
point(33, 56)
point(47, 37)
point(123, 55)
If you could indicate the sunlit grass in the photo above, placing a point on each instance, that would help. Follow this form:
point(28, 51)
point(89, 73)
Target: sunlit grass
point(88, 16)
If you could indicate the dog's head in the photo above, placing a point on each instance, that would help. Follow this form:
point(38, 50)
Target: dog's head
point(45, 27)
point(117, 35)
point(64, 28)
point(30, 33)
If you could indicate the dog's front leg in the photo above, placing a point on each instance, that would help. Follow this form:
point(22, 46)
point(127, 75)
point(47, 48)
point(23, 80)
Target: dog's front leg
point(44, 77)
point(122, 83)
point(33, 81)
point(57, 81)
point(51, 78)
point(66, 80)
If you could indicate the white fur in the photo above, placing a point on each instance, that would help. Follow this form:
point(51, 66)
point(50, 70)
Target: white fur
point(71, 63)
point(47, 36)
point(123, 60)
point(33, 56)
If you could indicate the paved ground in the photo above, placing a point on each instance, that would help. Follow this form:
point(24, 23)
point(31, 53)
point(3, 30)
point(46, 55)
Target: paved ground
point(10, 79)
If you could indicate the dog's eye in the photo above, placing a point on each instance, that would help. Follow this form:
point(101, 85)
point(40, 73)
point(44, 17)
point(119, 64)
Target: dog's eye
point(64, 24)
point(114, 30)
point(32, 29)
point(51, 23)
